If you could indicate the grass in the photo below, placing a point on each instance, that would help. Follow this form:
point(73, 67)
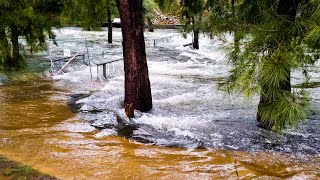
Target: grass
point(10, 170)
point(307, 85)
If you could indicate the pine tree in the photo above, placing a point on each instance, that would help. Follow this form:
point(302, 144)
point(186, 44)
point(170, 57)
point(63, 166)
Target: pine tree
point(148, 12)
point(90, 14)
point(23, 18)
point(191, 14)
point(137, 84)
point(277, 38)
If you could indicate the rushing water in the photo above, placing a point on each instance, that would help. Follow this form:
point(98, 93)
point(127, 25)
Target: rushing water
point(38, 128)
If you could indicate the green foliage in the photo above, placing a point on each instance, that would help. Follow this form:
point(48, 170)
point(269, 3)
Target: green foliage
point(289, 109)
point(169, 6)
point(17, 169)
point(191, 14)
point(88, 14)
point(267, 47)
point(29, 19)
point(149, 6)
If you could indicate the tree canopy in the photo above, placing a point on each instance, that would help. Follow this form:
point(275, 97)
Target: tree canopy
point(31, 20)
point(88, 14)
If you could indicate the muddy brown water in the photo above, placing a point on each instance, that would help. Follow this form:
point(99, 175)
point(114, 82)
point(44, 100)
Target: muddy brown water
point(33, 116)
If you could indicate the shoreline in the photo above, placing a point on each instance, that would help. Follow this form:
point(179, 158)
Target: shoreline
point(10, 169)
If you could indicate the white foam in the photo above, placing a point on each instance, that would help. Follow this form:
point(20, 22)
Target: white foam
point(105, 132)
point(184, 89)
point(76, 127)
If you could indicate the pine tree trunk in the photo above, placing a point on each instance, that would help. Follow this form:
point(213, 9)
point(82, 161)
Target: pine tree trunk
point(16, 59)
point(109, 23)
point(195, 43)
point(5, 49)
point(288, 8)
point(150, 25)
point(137, 84)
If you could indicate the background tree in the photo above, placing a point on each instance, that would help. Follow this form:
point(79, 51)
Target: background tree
point(137, 84)
point(190, 12)
point(149, 7)
point(191, 15)
point(31, 20)
point(90, 14)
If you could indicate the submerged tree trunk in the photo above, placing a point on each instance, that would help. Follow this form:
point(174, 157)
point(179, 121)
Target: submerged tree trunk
point(109, 23)
point(195, 43)
point(5, 49)
point(150, 25)
point(137, 84)
point(16, 58)
point(289, 9)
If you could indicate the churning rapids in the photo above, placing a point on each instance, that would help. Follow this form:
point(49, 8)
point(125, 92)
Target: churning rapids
point(216, 131)
point(188, 110)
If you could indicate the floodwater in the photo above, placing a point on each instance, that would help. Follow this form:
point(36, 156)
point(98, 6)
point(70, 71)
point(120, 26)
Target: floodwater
point(38, 128)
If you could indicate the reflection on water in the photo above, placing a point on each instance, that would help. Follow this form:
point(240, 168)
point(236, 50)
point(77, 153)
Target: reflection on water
point(37, 128)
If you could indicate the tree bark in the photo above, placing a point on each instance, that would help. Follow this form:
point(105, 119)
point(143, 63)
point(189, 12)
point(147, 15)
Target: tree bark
point(150, 25)
point(195, 43)
point(5, 49)
point(289, 9)
point(109, 23)
point(16, 58)
point(137, 84)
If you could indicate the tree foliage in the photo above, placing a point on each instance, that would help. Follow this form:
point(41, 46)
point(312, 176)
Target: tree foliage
point(270, 41)
point(191, 14)
point(29, 19)
point(88, 14)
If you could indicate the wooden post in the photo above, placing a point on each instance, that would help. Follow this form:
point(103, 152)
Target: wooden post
point(83, 58)
point(88, 58)
point(97, 72)
point(104, 71)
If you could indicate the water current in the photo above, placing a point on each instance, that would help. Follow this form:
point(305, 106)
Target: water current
point(68, 126)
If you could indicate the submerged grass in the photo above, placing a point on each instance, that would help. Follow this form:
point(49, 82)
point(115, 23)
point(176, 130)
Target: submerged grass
point(14, 170)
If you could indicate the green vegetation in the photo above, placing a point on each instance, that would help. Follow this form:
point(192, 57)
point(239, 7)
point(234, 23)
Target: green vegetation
point(88, 14)
point(148, 10)
point(13, 170)
point(31, 20)
point(191, 14)
point(271, 39)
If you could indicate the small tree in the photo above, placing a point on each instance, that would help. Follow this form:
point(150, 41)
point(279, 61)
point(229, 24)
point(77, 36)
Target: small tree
point(274, 35)
point(90, 14)
point(148, 12)
point(137, 84)
point(191, 13)
point(20, 18)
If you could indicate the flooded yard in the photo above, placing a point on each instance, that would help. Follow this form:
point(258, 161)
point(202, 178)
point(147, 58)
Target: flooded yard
point(194, 130)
